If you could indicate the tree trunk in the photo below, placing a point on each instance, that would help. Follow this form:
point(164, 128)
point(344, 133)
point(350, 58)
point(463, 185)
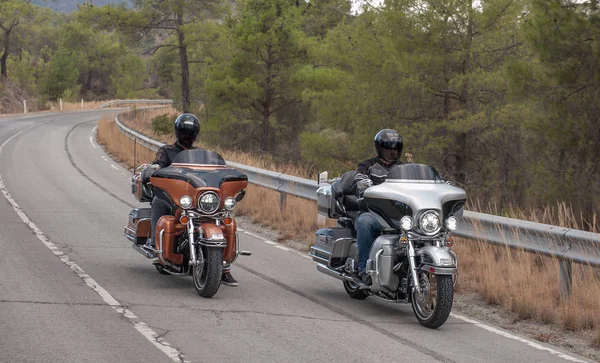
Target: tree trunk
point(461, 138)
point(268, 102)
point(3, 70)
point(265, 127)
point(183, 60)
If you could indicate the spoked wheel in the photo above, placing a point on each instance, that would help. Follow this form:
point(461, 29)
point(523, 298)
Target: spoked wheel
point(353, 290)
point(432, 307)
point(207, 275)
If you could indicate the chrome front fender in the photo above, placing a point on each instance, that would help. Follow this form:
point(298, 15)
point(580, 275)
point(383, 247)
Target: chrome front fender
point(437, 257)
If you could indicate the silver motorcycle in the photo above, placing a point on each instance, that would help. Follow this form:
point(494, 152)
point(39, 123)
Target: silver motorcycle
point(412, 260)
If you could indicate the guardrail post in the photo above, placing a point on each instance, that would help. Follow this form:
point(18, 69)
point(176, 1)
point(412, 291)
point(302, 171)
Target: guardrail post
point(82, 103)
point(282, 201)
point(24, 106)
point(566, 278)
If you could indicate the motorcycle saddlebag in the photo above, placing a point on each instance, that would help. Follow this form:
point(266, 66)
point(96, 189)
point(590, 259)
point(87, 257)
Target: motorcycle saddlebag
point(332, 246)
point(138, 226)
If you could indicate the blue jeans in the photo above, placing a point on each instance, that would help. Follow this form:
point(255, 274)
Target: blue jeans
point(367, 230)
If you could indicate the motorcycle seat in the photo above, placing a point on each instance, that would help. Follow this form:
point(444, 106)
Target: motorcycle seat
point(341, 191)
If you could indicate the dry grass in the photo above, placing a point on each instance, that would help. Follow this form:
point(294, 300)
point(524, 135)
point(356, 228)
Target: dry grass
point(121, 147)
point(524, 283)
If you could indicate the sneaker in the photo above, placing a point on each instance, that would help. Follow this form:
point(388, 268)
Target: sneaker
point(228, 280)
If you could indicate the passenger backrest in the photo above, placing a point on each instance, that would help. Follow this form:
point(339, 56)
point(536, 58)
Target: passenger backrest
point(344, 185)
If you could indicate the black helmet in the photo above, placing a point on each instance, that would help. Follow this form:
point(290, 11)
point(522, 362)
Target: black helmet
point(187, 128)
point(388, 139)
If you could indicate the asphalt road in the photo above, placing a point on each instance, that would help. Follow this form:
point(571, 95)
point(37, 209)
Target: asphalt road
point(73, 290)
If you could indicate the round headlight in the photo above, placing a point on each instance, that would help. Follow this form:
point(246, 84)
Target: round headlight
point(452, 223)
point(209, 202)
point(230, 203)
point(185, 202)
point(406, 223)
point(430, 223)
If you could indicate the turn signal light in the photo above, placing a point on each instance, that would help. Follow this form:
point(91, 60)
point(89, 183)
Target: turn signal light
point(403, 240)
point(184, 219)
point(228, 220)
point(449, 242)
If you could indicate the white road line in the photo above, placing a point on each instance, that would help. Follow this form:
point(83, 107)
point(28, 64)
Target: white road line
point(522, 340)
point(114, 167)
point(92, 142)
point(105, 159)
point(94, 129)
point(459, 317)
point(140, 326)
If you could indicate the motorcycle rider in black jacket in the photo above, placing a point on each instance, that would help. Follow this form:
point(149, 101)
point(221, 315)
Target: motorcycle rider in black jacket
point(187, 129)
point(388, 147)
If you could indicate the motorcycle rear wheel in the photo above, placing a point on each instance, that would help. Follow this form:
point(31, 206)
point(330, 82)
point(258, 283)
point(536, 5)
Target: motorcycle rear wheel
point(354, 291)
point(433, 306)
point(207, 275)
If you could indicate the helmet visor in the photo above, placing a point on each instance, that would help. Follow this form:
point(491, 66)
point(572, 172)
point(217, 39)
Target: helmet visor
point(390, 144)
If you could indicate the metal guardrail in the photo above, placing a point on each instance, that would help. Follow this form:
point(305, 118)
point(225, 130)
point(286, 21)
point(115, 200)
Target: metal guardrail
point(565, 244)
point(130, 102)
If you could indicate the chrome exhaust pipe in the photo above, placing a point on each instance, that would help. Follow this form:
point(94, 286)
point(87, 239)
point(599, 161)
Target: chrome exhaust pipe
point(338, 275)
point(137, 247)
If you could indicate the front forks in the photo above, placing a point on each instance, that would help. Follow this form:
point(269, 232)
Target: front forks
point(192, 241)
point(412, 260)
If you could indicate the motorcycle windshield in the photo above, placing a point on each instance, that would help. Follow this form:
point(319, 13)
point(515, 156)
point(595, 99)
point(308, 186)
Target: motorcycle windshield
point(199, 157)
point(414, 172)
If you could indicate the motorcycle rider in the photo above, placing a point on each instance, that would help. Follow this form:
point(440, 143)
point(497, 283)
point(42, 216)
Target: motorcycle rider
point(388, 147)
point(187, 129)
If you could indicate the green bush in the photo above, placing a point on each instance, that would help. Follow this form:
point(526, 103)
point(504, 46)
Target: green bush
point(163, 124)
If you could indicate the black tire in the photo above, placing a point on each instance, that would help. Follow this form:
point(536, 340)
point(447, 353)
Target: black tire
point(444, 299)
point(208, 283)
point(161, 269)
point(354, 292)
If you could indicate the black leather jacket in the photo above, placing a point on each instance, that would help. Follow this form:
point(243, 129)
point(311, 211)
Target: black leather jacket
point(372, 169)
point(166, 154)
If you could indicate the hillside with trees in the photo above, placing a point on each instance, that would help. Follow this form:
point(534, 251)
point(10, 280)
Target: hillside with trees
point(501, 96)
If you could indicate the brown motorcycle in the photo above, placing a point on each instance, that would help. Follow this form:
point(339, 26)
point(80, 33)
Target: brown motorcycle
point(200, 235)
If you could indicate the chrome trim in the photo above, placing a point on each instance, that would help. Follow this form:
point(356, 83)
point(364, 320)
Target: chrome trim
point(413, 266)
point(212, 242)
point(159, 252)
point(131, 237)
point(439, 270)
point(192, 241)
point(216, 166)
point(320, 250)
point(415, 181)
point(338, 275)
point(456, 262)
point(239, 252)
point(141, 250)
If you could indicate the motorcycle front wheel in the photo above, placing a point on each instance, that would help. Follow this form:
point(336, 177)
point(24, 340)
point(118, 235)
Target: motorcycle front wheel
point(207, 274)
point(432, 307)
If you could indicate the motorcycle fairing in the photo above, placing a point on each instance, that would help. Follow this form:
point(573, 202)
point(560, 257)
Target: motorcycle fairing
point(200, 177)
